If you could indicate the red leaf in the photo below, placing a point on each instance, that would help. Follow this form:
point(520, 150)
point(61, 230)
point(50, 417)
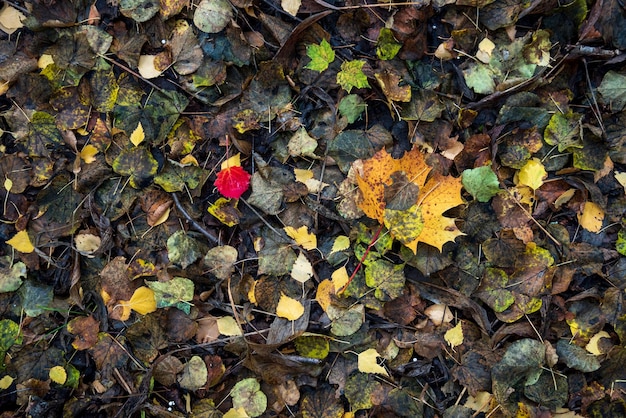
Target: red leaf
point(232, 182)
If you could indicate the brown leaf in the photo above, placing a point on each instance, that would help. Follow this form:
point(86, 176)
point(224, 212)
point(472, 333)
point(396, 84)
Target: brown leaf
point(85, 329)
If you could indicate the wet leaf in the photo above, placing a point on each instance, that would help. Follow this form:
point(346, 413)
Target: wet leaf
point(321, 403)
point(346, 321)
point(386, 278)
point(11, 274)
point(86, 330)
point(289, 308)
point(302, 237)
point(137, 163)
point(576, 357)
point(351, 75)
point(482, 183)
point(139, 10)
point(387, 47)
point(175, 292)
point(247, 395)
point(312, 346)
point(436, 195)
point(532, 174)
point(211, 16)
point(321, 56)
point(367, 362)
point(221, 261)
point(21, 242)
point(183, 249)
point(564, 130)
point(194, 375)
point(9, 335)
point(613, 90)
point(351, 107)
point(591, 217)
point(362, 391)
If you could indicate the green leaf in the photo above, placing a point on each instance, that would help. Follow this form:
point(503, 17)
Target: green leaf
point(36, 297)
point(481, 182)
point(351, 107)
point(493, 290)
point(194, 374)
point(211, 16)
point(321, 56)
point(361, 390)
point(247, 394)
point(9, 335)
point(564, 131)
point(613, 90)
point(620, 244)
point(404, 225)
point(351, 75)
point(43, 135)
point(137, 163)
point(175, 177)
point(576, 357)
point(182, 249)
point(387, 278)
point(479, 78)
point(176, 292)
point(387, 47)
point(11, 274)
point(312, 346)
point(139, 10)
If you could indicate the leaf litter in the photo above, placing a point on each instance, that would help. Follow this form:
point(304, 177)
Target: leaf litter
point(245, 208)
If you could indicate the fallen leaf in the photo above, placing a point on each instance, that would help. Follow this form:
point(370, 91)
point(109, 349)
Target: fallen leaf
point(302, 269)
point(142, 301)
point(439, 314)
point(485, 48)
point(232, 182)
point(291, 6)
point(289, 308)
point(437, 194)
point(88, 153)
point(247, 395)
point(138, 135)
point(211, 16)
point(58, 375)
point(321, 56)
point(454, 336)
point(87, 243)
point(367, 362)
point(147, 68)
point(593, 344)
point(532, 174)
point(228, 326)
point(21, 242)
point(351, 75)
point(302, 237)
point(194, 374)
point(591, 217)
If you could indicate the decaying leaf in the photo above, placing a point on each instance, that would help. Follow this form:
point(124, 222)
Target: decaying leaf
point(437, 194)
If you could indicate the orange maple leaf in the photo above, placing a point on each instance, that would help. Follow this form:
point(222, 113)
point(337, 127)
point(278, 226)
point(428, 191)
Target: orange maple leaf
point(422, 221)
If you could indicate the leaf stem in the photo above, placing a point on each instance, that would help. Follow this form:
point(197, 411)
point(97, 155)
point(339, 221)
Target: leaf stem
point(358, 266)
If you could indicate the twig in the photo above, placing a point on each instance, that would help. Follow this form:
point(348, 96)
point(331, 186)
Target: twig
point(193, 222)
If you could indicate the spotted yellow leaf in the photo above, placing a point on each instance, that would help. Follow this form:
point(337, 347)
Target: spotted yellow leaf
point(367, 362)
point(289, 308)
point(21, 242)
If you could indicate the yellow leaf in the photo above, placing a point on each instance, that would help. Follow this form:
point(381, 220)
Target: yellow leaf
point(58, 375)
point(162, 218)
point(289, 308)
point(454, 336)
point(592, 217)
point(234, 161)
point(138, 135)
point(367, 362)
point(302, 269)
point(436, 195)
point(532, 174)
point(341, 243)
point(8, 184)
point(593, 347)
point(88, 153)
point(6, 382)
point(306, 176)
point(236, 413)
point(227, 325)
point(340, 278)
point(21, 242)
point(485, 48)
point(44, 60)
point(302, 237)
point(291, 6)
point(251, 296)
point(325, 289)
point(142, 301)
point(189, 160)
